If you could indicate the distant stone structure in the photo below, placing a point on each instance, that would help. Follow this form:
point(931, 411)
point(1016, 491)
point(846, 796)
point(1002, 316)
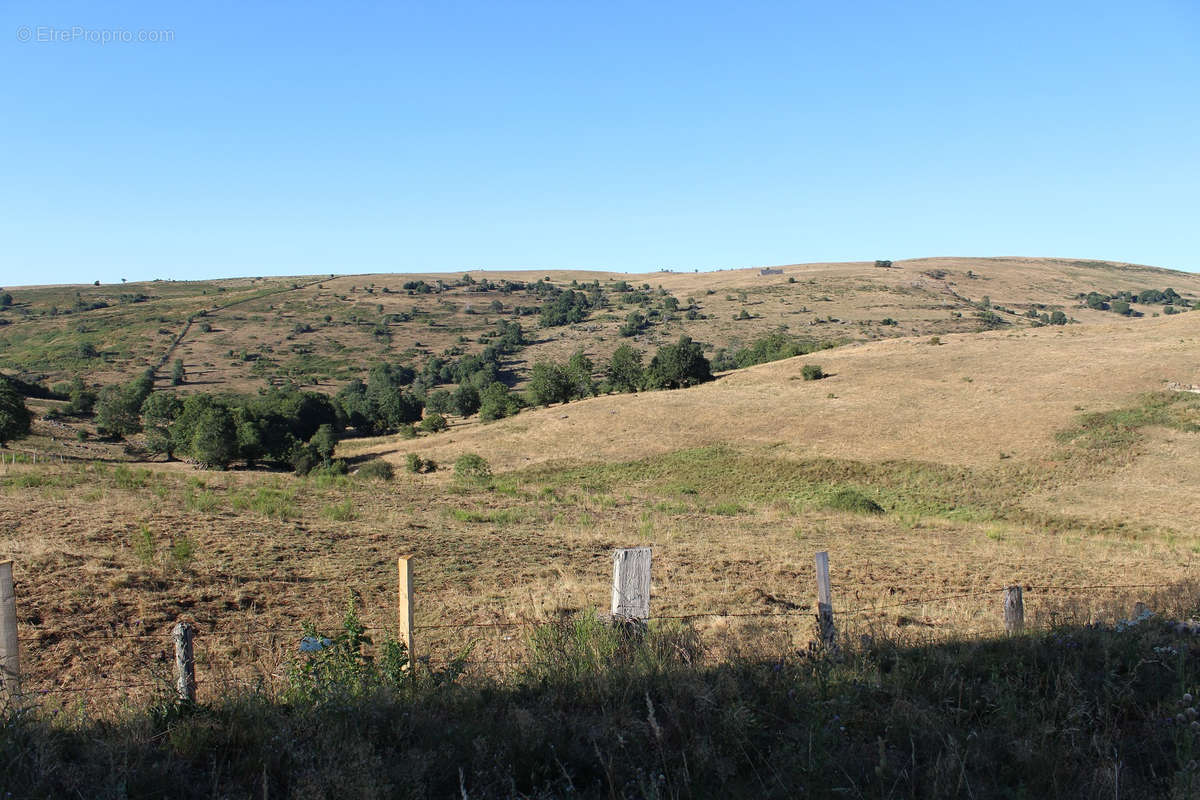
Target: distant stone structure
point(769, 271)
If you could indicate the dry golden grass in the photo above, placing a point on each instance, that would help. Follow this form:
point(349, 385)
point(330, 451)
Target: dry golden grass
point(733, 527)
point(958, 438)
point(828, 302)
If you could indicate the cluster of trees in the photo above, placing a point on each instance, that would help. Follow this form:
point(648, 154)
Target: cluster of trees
point(1052, 318)
point(567, 306)
point(1120, 302)
point(283, 426)
point(560, 383)
point(673, 366)
point(384, 403)
point(772, 347)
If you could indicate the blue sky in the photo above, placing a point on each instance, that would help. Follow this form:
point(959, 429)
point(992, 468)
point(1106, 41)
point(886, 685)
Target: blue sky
point(305, 138)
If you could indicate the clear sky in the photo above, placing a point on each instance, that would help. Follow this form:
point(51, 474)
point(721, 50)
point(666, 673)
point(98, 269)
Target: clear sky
point(292, 138)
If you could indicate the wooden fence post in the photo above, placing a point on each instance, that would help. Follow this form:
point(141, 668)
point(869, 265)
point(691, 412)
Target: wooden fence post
point(825, 602)
point(1014, 610)
point(631, 583)
point(185, 661)
point(10, 657)
point(404, 608)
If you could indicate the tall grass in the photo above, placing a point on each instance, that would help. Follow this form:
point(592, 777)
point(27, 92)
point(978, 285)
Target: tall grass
point(597, 710)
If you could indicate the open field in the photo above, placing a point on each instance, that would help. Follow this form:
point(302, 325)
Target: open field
point(937, 464)
point(980, 451)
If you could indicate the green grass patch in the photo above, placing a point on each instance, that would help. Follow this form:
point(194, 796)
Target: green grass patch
point(268, 501)
point(1121, 428)
point(497, 516)
point(339, 512)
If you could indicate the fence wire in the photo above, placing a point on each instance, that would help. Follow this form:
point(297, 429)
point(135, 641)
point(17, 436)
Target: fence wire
point(31, 635)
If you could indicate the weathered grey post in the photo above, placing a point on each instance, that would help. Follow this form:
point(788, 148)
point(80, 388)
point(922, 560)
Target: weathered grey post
point(631, 583)
point(185, 661)
point(404, 608)
point(10, 657)
point(1014, 610)
point(825, 602)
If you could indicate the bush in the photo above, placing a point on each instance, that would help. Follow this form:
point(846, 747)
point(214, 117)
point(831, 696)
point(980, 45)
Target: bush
point(433, 423)
point(812, 372)
point(415, 464)
point(376, 470)
point(853, 501)
point(472, 468)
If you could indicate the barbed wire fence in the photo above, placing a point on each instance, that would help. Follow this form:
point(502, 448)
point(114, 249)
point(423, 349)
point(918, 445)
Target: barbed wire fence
point(631, 594)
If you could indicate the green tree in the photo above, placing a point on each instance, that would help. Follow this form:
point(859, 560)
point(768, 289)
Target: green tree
point(634, 323)
point(14, 416)
point(177, 372)
point(81, 401)
point(118, 412)
point(440, 402)
point(548, 383)
point(1058, 318)
point(159, 412)
point(466, 400)
point(324, 441)
point(625, 372)
point(214, 441)
point(496, 402)
point(679, 365)
point(579, 375)
point(250, 441)
point(5, 300)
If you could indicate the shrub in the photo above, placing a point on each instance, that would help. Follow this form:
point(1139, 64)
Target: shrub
point(433, 423)
point(472, 468)
point(376, 470)
point(812, 372)
point(415, 464)
point(853, 501)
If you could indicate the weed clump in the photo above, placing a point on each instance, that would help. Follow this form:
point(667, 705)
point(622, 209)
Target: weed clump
point(812, 372)
point(376, 470)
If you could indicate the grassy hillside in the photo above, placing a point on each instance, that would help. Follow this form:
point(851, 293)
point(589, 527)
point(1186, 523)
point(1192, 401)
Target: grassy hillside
point(239, 334)
point(937, 463)
point(1041, 456)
